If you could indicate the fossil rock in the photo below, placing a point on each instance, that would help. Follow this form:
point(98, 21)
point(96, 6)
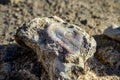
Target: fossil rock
point(62, 48)
point(113, 32)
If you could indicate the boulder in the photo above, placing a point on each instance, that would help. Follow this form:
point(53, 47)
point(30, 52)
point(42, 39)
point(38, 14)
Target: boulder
point(62, 48)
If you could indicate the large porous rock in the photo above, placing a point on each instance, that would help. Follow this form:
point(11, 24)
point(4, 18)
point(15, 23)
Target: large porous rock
point(62, 48)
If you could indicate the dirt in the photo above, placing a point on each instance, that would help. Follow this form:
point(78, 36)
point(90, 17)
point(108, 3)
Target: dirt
point(92, 15)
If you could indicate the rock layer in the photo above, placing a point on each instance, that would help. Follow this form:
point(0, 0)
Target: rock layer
point(62, 48)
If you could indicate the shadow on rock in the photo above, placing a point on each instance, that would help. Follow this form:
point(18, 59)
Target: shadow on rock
point(106, 60)
point(12, 52)
point(18, 63)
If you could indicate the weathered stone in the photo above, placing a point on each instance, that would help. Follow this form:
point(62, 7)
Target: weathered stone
point(113, 32)
point(108, 56)
point(62, 48)
point(108, 62)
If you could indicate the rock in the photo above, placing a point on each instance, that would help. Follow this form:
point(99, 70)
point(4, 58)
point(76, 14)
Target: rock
point(108, 56)
point(62, 48)
point(113, 32)
point(109, 59)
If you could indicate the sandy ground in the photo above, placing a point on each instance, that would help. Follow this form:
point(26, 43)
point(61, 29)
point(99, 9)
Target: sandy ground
point(92, 15)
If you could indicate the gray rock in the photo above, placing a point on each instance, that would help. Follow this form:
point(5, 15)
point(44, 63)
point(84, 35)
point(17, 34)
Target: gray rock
point(113, 32)
point(62, 48)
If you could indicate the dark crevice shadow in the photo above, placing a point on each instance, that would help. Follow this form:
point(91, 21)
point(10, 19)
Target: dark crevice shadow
point(4, 2)
point(20, 60)
point(12, 52)
point(99, 64)
point(104, 41)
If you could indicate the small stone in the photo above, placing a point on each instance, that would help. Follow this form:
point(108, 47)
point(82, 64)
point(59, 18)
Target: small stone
point(113, 32)
point(62, 48)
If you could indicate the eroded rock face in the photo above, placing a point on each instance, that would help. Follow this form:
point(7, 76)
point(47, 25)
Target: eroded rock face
point(62, 48)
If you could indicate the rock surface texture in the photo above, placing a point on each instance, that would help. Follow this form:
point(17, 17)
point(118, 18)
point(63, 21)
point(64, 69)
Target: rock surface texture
point(62, 48)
